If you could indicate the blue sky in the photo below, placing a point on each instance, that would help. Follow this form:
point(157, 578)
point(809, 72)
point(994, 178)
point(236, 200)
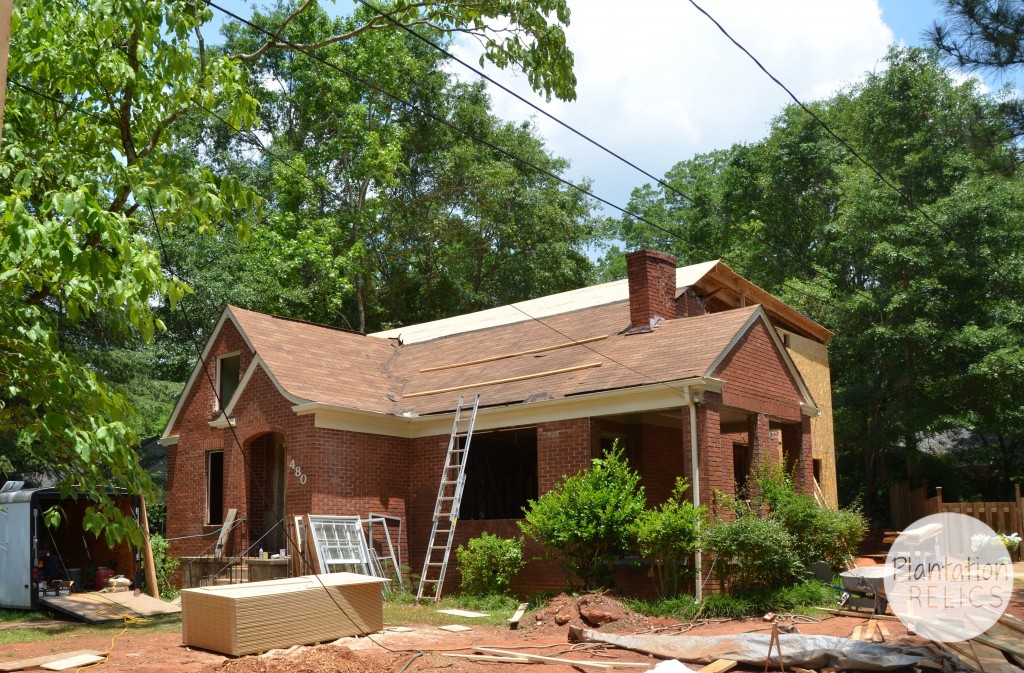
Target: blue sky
point(662, 84)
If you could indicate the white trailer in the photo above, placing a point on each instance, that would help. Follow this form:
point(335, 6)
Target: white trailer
point(26, 543)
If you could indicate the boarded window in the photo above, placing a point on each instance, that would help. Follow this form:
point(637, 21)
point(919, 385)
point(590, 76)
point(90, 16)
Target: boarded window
point(215, 487)
point(501, 474)
point(228, 372)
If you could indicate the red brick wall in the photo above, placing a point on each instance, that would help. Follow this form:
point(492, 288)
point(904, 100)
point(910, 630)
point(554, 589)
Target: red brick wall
point(345, 472)
point(757, 378)
point(652, 286)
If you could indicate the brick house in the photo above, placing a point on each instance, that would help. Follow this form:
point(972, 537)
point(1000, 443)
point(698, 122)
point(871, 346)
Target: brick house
point(337, 422)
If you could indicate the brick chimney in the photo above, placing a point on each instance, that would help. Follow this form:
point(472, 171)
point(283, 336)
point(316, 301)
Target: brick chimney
point(652, 287)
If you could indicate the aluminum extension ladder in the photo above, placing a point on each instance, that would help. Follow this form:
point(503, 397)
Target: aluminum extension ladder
point(449, 497)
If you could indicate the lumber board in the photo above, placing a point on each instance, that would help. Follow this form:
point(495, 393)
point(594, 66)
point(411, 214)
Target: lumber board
point(490, 657)
point(514, 620)
point(568, 662)
point(77, 661)
point(1011, 622)
point(225, 530)
point(981, 657)
point(1007, 646)
point(720, 666)
point(35, 662)
point(505, 356)
point(511, 379)
point(862, 615)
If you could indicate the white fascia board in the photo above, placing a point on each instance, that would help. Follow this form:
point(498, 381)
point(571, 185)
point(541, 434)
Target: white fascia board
point(226, 315)
point(168, 440)
point(808, 406)
point(653, 397)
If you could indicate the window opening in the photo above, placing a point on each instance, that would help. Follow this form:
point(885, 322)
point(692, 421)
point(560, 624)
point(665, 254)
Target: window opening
point(228, 373)
point(215, 487)
point(501, 475)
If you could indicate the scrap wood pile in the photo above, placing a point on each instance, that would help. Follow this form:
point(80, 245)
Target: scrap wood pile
point(998, 650)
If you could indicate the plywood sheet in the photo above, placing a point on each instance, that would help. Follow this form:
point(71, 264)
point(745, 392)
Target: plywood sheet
point(76, 661)
point(35, 662)
point(811, 360)
point(259, 616)
point(97, 607)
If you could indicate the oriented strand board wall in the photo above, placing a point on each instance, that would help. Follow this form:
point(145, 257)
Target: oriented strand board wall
point(811, 358)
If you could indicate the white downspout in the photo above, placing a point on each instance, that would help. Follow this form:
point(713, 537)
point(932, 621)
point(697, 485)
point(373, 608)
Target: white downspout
point(695, 485)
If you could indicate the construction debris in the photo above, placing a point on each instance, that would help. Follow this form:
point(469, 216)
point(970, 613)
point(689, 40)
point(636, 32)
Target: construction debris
point(464, 613)
point(513, 622)
point(36, 662)
point(752, 649)
point(567, 662)
point(455, 628)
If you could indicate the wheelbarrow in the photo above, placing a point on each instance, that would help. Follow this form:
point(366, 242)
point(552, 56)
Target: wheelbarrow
point(866, 588)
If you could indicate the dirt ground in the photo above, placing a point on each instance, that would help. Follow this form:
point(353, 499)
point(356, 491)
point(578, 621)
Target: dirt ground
point(159, 650)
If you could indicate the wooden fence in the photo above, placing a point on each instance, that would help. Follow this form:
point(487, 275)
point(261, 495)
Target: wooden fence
point(907, 505)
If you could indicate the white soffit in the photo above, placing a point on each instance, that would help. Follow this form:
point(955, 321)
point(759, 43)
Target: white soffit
point(542, 307)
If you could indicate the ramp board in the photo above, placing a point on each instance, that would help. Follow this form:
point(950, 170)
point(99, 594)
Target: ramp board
point(103, 607)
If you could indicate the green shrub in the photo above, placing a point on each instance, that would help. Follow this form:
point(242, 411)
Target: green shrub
point(753, 551)
point(802, 597)
point(488, 563)
point(668, 535)
point(588, 517)
point(165, 566)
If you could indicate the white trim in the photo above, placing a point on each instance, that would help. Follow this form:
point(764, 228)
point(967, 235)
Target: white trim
point(222, 422)
point(199, 365)
point(651, 397)
point(168, 441)
point(808, 406)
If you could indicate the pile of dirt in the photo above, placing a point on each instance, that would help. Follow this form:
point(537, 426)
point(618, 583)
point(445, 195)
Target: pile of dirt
point(319, 659)
point(589, 610)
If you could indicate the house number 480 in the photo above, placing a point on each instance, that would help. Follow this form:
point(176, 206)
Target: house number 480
point(298, 471)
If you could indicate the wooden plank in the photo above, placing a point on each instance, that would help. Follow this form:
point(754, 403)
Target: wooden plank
point(77, 661)
point(513, 622)
point(504, 356)
point(511, 379)
point(719, 666)
point(106, 607)
point(981, 658)
point(222, 539)
point(862, 615)
point(490, 657)
point(1006, 646)
point(35, 662)
point(568, 662)
point(314, 558)
point(1011, 622)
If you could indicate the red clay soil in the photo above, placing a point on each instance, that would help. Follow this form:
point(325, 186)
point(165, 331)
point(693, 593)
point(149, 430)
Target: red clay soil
point(160, 651)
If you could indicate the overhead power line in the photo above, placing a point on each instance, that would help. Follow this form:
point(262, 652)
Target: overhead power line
point(728, 220)
point(909, 201)
point(345, 72)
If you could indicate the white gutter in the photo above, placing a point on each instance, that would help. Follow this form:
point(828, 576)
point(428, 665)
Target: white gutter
point(695, 485)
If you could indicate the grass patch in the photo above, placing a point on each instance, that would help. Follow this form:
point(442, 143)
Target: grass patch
point(71, 631)
point(402, 609)
point(803, 598)
point(8, 616)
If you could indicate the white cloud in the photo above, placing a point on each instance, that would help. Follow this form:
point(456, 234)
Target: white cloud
point(659, 83)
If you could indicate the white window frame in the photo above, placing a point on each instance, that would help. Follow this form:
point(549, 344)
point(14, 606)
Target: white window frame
point(220, 361)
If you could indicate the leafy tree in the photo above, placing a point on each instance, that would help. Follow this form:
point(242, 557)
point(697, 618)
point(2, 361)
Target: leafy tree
point(925, 305)
point(376, 213)
point(92, 178)
point(587, 517)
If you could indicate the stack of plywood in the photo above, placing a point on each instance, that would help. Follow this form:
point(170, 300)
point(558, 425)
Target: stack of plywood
point(242, 619)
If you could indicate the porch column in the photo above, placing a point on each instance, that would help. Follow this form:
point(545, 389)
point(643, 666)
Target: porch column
point(715, 458)
point(759, 438)
point(796, 449)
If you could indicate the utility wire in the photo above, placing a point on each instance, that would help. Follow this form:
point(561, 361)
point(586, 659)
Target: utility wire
point(483, 141)
point(794, 255)
point(849, 148)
